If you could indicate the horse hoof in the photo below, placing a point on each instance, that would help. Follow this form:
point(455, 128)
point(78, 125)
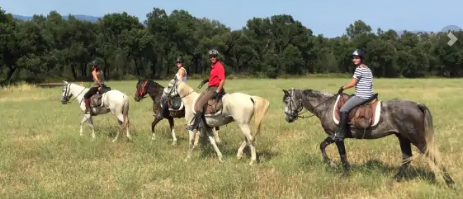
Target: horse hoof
point(345, 174)
point(174, 143)
point(332, 164)
point(239, 157)
point(221, 160)
point(252, 163)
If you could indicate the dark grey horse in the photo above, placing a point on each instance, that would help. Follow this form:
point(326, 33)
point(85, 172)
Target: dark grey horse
point(411, 122)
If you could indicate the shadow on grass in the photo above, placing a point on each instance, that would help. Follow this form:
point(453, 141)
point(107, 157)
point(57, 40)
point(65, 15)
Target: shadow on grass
point(230, 150)
point(378, 167)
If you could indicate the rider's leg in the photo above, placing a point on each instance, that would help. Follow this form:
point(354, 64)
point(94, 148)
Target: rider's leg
point(164, 108)
point(199, 106)
point(87, 96)
point(344, 116)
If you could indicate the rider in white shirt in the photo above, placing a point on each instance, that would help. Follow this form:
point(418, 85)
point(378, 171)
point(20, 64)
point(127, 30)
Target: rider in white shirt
point(180, 75)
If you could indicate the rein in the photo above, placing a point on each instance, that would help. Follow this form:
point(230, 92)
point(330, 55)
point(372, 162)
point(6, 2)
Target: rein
point(68, 89)
point(299, 111)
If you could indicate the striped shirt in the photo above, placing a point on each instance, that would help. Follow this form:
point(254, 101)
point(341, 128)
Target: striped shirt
point(364, 85)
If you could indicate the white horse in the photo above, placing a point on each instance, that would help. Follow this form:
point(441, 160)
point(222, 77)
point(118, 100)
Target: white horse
point(112, 101)
point(237, 107)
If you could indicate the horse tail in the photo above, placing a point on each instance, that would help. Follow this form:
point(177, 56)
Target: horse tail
point(260, 109)
point(431, 150)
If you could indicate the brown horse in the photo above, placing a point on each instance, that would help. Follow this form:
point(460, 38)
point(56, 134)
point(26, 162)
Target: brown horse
point(411, 122)
point(155, 90)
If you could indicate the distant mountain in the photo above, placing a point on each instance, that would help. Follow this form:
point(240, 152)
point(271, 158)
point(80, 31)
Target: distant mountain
point(80, 17)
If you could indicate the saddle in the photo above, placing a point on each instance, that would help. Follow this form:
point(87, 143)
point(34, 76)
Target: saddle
point(213, 106)
point(175, 103)
point(96, 99)
point(362, 116)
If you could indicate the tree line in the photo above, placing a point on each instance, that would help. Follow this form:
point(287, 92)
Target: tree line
point(49, 48)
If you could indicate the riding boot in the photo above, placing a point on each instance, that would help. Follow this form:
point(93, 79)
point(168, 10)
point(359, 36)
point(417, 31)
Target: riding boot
point(88, 109)
point(164, 108)
point(198, 122)
point(341, 131)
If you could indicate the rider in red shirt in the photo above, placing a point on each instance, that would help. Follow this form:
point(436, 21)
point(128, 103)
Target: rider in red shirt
point(214, 90)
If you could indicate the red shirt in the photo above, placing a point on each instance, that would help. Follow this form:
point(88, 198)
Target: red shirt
point(217, 74)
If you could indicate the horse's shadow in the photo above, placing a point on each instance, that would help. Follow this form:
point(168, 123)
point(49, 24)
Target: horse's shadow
point(377, 166)
point(230, 150)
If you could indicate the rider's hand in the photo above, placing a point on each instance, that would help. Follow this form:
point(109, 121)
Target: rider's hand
point(340, 90)
point(99, 88)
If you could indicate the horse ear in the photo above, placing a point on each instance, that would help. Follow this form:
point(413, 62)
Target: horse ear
point(286, 92)
point(65, 82)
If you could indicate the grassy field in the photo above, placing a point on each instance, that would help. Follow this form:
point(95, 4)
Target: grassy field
point(43, 156)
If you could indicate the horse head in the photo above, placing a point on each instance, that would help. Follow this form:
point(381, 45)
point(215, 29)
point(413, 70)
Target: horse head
point(66, 92)
point(179, 88)
point(142, 88)
point(292, 105)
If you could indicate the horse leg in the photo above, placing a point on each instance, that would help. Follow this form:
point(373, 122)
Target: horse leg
point(239, 155)
point(406, 148)
point(120, 120)
point(191, 144)
point(172, 130)
point(197, 134)
point(212, 141)
point(153, 124)
point(433, 154)
point(328, 140)
point(215, 130)
point(343, 156)
point(250, 141)
point(81, 131)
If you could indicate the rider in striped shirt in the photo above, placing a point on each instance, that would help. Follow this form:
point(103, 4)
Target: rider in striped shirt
point(363, 82)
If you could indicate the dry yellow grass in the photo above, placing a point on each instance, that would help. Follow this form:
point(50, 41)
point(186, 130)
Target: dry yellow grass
point(43, 155)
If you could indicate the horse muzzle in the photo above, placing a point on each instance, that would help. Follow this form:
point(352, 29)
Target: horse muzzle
point(289, 118)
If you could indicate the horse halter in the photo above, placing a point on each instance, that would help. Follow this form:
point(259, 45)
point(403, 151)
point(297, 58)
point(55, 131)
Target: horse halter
point(142, 91)
point(301, 107)
point(291, 101)
point(68, 95)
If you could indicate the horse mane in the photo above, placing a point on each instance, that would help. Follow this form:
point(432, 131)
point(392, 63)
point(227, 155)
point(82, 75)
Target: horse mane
point(315, 93)
point(185, 88)
point(151, 81)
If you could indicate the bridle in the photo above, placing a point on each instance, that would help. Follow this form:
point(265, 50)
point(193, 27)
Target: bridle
point(298, 111)
point(142, 92)
point(174, 86)
point(68, 95)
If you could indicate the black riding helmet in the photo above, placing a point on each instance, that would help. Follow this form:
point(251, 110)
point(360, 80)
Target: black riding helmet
point(179, 60)
point(94, 63)
point(358, 52)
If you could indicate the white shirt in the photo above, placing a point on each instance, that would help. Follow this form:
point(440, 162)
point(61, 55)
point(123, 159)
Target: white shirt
point(184, 75)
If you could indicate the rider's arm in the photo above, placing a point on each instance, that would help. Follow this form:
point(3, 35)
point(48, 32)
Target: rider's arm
point(95, 77)
point(181, 73)
point(221, 76)
point(356, 77)
point(351, 83)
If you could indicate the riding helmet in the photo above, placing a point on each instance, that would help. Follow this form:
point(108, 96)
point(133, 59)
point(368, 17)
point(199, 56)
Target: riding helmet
point(179, 59)
point(213, 52)
point(358, 52)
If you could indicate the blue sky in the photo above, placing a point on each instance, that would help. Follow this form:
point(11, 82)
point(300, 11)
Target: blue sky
point(328, 17)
